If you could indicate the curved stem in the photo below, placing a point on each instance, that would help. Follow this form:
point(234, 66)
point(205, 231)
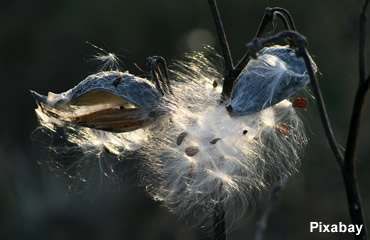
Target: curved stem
point(229, 67)
point(288, 16)
point(300, 41)
point(362, 41)
point(221, 36)
point(268, 17)
point(349, 168)
point(322, 109)
point(347, 162)
point(283, 20)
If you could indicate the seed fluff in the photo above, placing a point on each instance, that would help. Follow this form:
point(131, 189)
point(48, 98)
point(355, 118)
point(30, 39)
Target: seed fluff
point(209, 156)
point(194, 153)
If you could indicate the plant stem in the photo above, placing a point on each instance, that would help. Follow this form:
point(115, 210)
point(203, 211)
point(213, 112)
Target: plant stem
point(221, 36)
point(219, 213)
point(322, 110)
point(347, 162)
point(229, 78)
point(267, 18)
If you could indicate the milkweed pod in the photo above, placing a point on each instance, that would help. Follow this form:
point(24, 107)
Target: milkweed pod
point(275, 75)
point(111, 101)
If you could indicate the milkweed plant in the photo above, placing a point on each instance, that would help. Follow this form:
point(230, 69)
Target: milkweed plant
point(200, 150)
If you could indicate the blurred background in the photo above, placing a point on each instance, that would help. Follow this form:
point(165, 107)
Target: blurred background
point(43, 48)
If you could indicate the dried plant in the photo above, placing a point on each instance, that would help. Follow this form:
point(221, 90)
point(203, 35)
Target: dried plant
point(209, 137)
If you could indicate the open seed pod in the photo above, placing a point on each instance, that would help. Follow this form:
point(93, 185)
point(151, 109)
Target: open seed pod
point(275, 75)
point(111, 101)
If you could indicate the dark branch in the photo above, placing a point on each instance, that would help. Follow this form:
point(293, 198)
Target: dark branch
point(287, 15)
point(221, 36)
point(349, 169)
point(268, 17)
point(300, 41)
point(354, 127)
point(232, 73)
point(323, 113)
point(283, 20)
point(347, 162)
point(229, 78)
point(362, 41)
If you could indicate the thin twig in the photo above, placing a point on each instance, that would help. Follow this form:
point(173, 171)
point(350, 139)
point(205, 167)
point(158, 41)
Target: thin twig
point(287, 15)
point(362, 43)
point(360, 95)
point(283, 19)
point(300, 41)
point(219, 223)
point(231, 72)
point(229, 78)
point(349, 168)
point(347, 162)
point(221, 36)
point(267, 18)
point(322, 109)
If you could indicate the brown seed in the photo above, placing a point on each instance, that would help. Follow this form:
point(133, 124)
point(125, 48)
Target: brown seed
point(181, 137)
point(215, 84)
point(300, 103)
point(282, 128)
point(117, 81)
point(214, 141)
point(221, 186)
point(245, 132)
point(191, 151)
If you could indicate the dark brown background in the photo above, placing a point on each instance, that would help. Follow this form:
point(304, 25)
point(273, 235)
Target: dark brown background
point(42, 47)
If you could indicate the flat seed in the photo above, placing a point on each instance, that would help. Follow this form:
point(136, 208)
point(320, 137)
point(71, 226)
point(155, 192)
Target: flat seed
point(191, 151)
point(181, 137)
point(215, 84)
point(282, 128)
point(221, 186)
point(214, 141)
point(117, 81)
point(300, 103)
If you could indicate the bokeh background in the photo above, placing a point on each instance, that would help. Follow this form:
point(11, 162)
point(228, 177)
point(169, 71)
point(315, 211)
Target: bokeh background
point(42, 47)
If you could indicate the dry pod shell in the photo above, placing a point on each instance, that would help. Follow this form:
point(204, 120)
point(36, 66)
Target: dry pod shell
point(111, 101)
point(277, 74)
